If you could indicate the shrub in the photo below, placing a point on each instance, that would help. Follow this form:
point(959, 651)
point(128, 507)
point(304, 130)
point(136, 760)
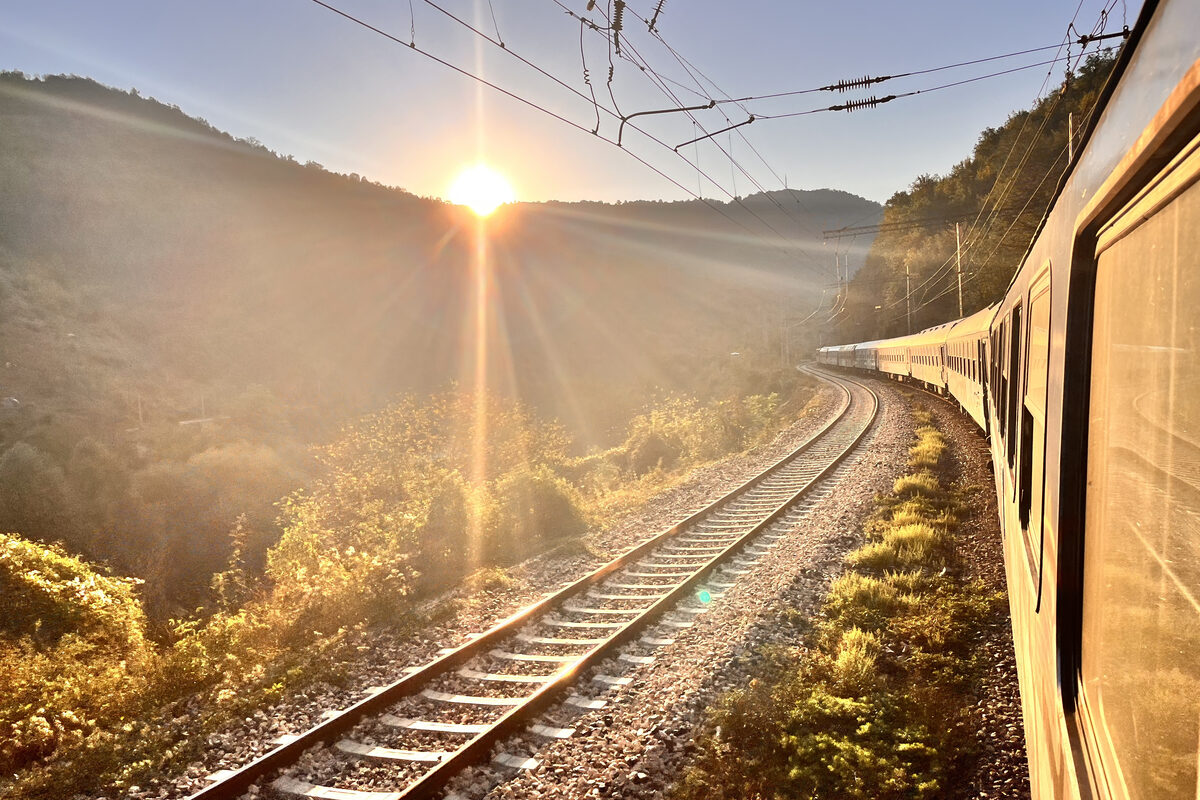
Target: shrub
point(647, 449)
point(444, 547)
point(48, 594)
point(75, 655)
point(861, 601)
point(533, 508)
point(33, 495)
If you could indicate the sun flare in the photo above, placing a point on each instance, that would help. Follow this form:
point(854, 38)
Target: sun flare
point(481, 189)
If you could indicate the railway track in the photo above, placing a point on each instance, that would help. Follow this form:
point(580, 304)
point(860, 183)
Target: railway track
point(455, 710)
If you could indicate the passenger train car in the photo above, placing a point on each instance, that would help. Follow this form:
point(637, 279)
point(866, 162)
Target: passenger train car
point(1085, 376)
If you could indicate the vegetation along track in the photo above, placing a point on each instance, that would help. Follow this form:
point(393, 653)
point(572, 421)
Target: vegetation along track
point(453, 711)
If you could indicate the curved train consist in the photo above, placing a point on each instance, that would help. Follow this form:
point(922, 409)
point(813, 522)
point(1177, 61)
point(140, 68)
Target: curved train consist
point(1085, 376)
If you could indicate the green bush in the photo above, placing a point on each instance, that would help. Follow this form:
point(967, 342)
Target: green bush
point(73, 657)
point(862, 601)
point(48, 594)
point(648, 449)
point(855, 664)
point(927, 451)
point(445, 550)
point(533, 508)
point(33, 495)
point(409, 500)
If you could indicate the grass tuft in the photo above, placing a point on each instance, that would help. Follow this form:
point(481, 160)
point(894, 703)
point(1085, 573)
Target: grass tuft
point(921, 483)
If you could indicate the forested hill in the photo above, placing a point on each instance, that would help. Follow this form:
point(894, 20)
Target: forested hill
point(998, 195)
point(145, 254)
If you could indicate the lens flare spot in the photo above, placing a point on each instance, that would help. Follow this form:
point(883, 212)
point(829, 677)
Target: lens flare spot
point(481, 189)
point(704, 597)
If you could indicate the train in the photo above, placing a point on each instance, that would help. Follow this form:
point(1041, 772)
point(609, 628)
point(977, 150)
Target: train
point(1085, 378)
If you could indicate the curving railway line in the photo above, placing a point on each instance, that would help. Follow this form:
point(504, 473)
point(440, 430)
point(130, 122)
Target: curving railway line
point(459, 709)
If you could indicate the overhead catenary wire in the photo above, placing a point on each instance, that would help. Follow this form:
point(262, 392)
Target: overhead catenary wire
point(943, 269)
point(690, 69)
point(993, 215)
point(659, 81)
point(728, 153)
point(1024, 125)
point(692, 72)
point(1065, 151)
point(467, 73)
point(1045, 82)
point(495, 24)
point(596, 107)
point(587, 79)
point(867, 80)
point(871, 102)
point(624, 119)
point(1016, 217)
point(972, 239)
point(536, 106)
point(559, 81)
point(644, 67)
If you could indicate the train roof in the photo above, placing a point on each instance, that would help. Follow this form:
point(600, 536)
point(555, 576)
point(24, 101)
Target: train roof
point(972, 324)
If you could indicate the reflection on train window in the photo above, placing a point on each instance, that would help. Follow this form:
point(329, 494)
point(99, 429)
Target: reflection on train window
point(1141, 617)
point(1033, 426)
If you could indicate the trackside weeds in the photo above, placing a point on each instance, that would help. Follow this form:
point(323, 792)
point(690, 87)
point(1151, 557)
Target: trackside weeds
point(881, 702)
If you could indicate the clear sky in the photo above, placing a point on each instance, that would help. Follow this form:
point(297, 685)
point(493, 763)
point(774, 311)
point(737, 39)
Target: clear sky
point(307, 82)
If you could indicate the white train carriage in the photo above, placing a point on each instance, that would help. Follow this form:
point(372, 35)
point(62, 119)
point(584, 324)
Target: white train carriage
point(892, 358)
point(966, 360)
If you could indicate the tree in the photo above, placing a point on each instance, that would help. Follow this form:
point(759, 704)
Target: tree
point(33, 495)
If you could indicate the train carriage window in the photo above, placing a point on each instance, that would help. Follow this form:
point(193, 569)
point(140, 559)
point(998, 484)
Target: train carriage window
point(981, 360)
point(1001, 378)
point(1140, 676)
point(1033, 425)
point(1013, 386)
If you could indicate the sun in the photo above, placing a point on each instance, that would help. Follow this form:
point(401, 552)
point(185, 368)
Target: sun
point(481, 189)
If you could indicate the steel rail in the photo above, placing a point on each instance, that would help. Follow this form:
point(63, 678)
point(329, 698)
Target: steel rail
point(239, 781)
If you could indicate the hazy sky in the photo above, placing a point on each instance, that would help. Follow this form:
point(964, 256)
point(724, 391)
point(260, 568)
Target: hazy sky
point(310, 83)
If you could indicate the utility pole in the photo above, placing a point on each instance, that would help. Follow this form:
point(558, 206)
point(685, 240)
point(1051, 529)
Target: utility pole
point(958, 256)
point(908, 294)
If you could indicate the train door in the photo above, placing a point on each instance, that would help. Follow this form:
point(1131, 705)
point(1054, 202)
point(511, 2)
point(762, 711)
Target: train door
point(1032, 459)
